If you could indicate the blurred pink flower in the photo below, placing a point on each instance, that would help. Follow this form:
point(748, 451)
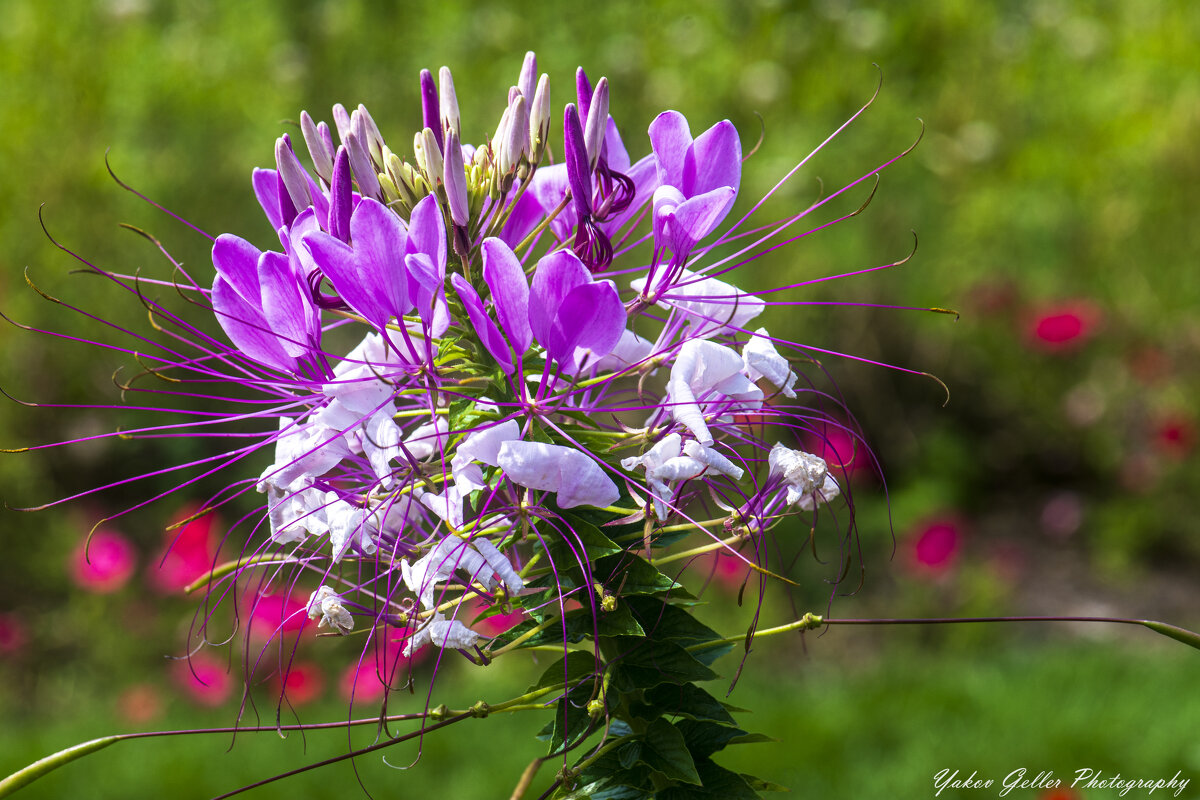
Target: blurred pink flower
point(934, 546)
point(13, 636)
point(270, 615)
point(305, 682)
point(187, 553)
point(139, 704)
point(727, 571)
point(205, 679)
point(384, 661)
point(104, 563)
point(841, 451)
point(1063, 327)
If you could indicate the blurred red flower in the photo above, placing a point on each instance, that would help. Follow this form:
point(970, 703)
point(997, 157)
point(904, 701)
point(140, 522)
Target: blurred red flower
point(104, 563)
point(1175, 436)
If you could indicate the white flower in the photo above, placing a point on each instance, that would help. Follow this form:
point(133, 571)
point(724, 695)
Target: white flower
point(762, 360)
point(711, 372)
point(664, 463)
point(807, 476)
point(327, 604)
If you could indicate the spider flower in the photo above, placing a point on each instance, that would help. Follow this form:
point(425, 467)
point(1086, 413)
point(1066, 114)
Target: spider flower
point(461, 358)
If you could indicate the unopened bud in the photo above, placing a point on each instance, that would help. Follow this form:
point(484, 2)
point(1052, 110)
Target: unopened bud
point(583, 92)
point(449, 102)
point(360, 162)
point(430, 112)
point(340, 199)
point(320, 150)
point(341, 120)
point(528, 74)
point(431, 149)
point(597, 122)
point(539, 119)
point(456, 180)
point(295, 181)
point(516, 142)
point(373, 138)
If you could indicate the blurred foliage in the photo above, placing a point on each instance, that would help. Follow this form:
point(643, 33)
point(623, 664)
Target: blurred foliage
point(1057, 173)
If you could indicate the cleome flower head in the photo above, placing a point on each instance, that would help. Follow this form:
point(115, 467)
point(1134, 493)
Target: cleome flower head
point(482, 379)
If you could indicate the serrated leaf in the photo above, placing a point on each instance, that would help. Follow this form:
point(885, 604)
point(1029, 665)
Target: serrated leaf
point(643, 663)
point(594, 542)
point(665, 751)
point(572, 723)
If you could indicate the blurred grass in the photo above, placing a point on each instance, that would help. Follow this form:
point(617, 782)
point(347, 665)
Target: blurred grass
point(1058, 163)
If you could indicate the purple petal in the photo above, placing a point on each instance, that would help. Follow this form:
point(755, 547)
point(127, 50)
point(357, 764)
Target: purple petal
point(671, 139)
point(338, 263)
point(379, 242)
point(504, 275)
point(247, 329)
point(591, 317)
point(489, 334)
point(718, 159)
point(557, 274)
point(236, 260)
point(266, 189)
point(427, 232)
point(696, 217)
point(523, 218)
point(583, 92)
point(283, 303)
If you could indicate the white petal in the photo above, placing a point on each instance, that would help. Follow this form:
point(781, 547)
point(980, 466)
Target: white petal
point(712, 458)
point(764, 361)
point(577, 479)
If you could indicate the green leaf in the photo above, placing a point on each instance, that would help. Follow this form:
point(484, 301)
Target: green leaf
point(665, 751)
point(594, 542)
point(717, 783)
point(687, 700)
point(629, 754)
point(644, 663)
point(575, 627)
point(669, 622)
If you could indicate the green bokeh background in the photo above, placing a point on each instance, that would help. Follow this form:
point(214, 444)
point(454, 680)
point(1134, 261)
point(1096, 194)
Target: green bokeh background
point(1058, 165)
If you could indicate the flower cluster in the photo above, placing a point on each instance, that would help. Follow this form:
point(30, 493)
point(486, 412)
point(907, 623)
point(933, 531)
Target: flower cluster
point(497, 385)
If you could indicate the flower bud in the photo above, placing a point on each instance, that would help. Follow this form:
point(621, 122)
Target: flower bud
point(528, 72)
point(449, 103)
point(578, 173)
point(539, 119)
point(430, 110)
point(340, 200)
point(295, 181)
point(341, 120)
point(597, 122)
point(516, 141)
point(360, 162)
point(372, 137)
point(583, 92)
point(319, 149)
point(456, 180)
point(431, 150)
